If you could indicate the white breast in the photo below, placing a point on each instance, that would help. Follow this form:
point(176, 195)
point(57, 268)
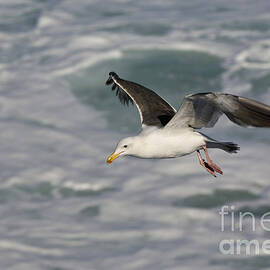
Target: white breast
point(162, 143)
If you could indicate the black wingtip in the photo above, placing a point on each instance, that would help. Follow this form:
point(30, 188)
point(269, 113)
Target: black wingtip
point(112, 75)
point(109, 81)
point(122, 95)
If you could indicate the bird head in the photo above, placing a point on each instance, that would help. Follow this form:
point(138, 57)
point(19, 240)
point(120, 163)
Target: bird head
point(124, 147)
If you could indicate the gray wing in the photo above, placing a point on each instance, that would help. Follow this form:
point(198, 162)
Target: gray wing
point(154, 111)
point(204, 109)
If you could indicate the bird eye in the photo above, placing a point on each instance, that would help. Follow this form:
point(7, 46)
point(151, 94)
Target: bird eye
point(125, 146)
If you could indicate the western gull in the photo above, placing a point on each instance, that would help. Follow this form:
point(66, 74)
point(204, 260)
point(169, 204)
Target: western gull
point(167, 133)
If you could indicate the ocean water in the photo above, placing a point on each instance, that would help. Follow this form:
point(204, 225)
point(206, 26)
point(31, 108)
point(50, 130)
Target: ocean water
point(61, 206)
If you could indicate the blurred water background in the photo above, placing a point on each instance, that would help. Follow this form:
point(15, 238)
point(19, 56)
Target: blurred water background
point(61, 206)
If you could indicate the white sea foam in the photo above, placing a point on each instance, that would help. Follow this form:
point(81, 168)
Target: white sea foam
point(257, 56)
point(46, 21)
point(12, 245)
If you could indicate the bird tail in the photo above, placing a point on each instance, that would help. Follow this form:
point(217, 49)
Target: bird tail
point(229, 147)
point(226, 146)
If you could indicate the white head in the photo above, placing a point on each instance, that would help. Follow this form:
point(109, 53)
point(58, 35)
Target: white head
point(125, 147)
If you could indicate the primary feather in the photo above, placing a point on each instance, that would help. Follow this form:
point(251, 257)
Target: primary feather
point(122, 95)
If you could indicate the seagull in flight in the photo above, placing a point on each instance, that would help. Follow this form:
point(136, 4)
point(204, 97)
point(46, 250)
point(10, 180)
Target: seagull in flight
point(167, 133)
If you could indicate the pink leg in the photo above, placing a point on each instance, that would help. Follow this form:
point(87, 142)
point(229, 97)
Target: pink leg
point(210, 162)
point(205, 164)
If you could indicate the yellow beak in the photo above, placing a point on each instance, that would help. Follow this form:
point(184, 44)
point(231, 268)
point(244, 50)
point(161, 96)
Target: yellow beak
point(112, 157)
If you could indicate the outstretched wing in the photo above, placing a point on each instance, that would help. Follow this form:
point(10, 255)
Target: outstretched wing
point(154, 111)
point(204, 109)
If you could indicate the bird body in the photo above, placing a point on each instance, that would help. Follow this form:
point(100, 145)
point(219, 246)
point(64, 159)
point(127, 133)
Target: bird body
point(167, 133)
point(162, 143)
